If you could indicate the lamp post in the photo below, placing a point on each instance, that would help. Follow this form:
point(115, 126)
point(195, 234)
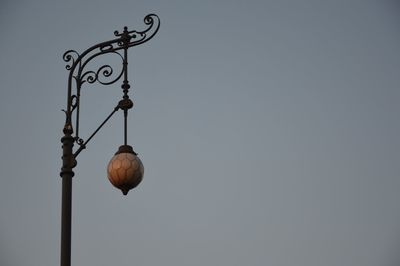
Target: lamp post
point(125, 170)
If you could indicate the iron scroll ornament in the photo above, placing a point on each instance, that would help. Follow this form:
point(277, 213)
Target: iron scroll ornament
point(105, 74)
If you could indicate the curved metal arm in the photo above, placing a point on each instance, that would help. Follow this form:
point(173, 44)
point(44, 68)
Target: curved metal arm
point(79, 74)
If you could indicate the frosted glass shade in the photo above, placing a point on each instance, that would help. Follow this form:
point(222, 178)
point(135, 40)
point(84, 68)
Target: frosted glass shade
point(125, 170)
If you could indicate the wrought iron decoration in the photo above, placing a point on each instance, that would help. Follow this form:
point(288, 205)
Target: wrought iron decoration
point(78, 75)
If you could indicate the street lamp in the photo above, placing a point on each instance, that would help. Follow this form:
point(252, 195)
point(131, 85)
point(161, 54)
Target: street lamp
point(125, 170)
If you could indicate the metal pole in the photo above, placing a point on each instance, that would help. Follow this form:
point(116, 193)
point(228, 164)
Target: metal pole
point(66, 221)
point(66, 201)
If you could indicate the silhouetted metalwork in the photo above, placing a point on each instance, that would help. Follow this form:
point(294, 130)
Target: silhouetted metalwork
point(79, 74)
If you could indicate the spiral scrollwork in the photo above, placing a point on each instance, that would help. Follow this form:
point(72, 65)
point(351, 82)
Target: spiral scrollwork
point(79, 141)
point(88, 76)
point(106, 71)
point(102, 74)
point(70, 57)
point(149, 19)
point(139, 37)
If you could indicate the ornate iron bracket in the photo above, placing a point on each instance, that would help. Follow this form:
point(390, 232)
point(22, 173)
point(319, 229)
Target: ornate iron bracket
point(77, 65)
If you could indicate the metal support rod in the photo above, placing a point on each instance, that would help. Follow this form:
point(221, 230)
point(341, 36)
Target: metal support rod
point(83, 146)
point(125, 127)
point(125, 85)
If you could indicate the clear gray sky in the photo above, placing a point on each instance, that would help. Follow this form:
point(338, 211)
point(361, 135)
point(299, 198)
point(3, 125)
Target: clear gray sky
point(269, 133)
